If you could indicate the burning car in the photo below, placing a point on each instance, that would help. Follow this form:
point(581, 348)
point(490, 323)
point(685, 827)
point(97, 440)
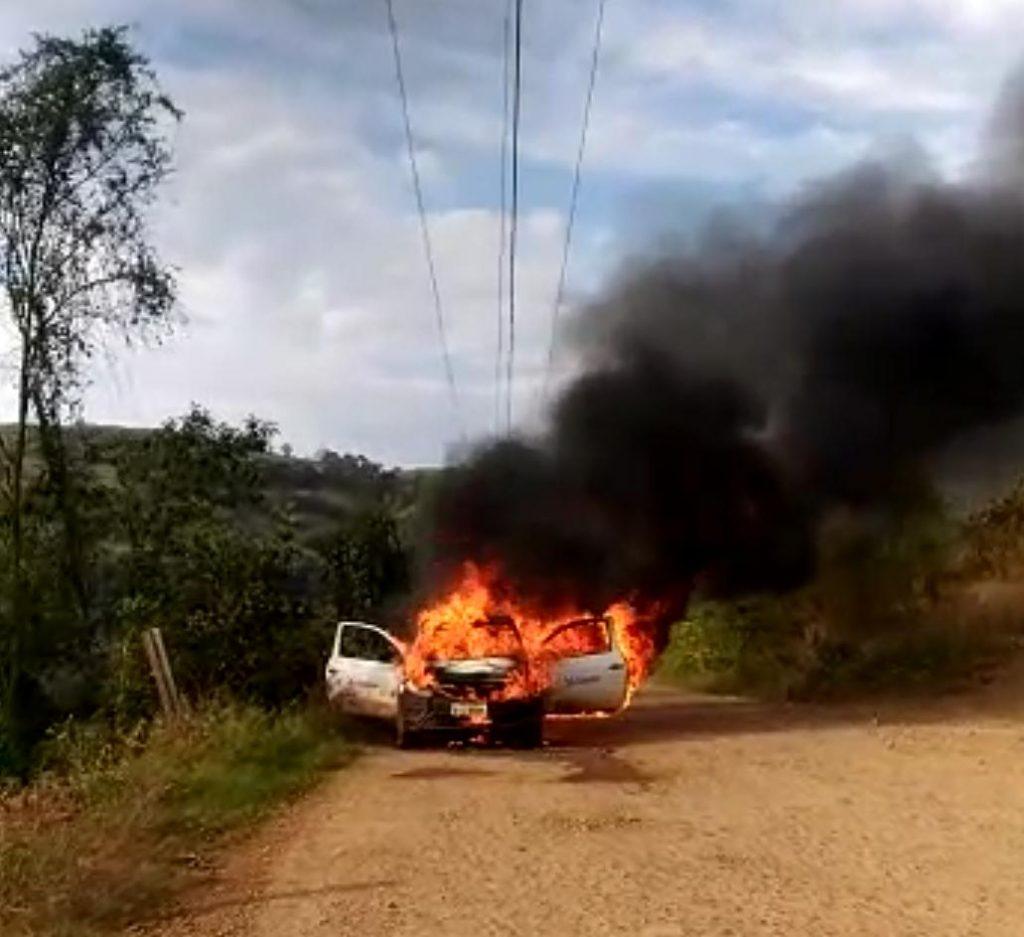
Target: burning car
point(501, 693)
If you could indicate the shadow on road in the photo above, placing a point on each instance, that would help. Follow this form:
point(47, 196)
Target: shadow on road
point(666, 714)
point(663, 713)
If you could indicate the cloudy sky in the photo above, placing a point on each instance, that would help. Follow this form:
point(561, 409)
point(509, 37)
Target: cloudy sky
point(291, 216)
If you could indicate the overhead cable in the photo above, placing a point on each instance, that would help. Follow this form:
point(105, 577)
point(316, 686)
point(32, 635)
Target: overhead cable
point(514, 220)
point(574, 196)
point(428, 250)
point(502, 219)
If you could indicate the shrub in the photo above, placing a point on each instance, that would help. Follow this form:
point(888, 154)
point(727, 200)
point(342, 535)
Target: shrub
point(752, 645)
point(876, 616)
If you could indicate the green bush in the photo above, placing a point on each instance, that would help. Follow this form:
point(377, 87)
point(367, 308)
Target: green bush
point(752, 645)
point(875, 617)
point(880, 572)
point(932, 656)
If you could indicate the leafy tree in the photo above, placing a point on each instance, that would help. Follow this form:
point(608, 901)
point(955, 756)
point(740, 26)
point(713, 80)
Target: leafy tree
point(367, 564)
point(355, 471)
point(202, 553)
point(190, 471)
point(251, 623)
point(82, 152)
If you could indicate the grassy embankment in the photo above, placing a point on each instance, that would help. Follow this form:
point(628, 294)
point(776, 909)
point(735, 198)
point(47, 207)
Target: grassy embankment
point(923, 602)
point(114, 825)
point(727, 647)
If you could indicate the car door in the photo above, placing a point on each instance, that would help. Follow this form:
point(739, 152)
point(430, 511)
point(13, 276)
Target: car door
point(365, 670)
point(588, 671)
point(336, 675)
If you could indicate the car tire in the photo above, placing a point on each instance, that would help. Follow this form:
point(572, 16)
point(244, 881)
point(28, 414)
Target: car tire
point(405, 738)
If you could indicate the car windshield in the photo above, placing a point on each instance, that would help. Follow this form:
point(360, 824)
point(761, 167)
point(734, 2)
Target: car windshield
point(579, 637)
point(501, 636)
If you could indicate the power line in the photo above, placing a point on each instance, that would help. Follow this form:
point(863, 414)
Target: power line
point(574, 196)
point(502, 217)
point(514, 222)
point(424, 227)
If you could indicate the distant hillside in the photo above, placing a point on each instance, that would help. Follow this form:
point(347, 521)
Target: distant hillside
point(318, 493)
point(323, 491)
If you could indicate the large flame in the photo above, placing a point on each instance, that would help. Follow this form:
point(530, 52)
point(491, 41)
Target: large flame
point(450, 629)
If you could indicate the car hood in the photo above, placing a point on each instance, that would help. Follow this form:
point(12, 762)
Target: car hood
point(474, 669)
point(477, 665)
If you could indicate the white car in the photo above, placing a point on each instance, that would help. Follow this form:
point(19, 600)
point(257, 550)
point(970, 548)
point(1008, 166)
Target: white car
point(365, 677)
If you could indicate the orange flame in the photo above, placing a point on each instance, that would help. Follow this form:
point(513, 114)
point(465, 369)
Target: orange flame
point(637, 644)
point(456, 627)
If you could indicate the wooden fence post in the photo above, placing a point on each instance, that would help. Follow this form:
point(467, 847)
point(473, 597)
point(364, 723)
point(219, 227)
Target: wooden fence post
point(159, 664)
point(176, 698)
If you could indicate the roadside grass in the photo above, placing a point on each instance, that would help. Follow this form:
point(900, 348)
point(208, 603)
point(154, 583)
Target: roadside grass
point(114, 826)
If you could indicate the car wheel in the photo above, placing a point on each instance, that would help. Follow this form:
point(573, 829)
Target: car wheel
point(405, 738)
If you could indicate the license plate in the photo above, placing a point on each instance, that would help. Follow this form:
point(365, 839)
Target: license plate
point(470, 710)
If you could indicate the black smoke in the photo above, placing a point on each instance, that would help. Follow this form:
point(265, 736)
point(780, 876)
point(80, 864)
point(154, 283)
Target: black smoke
point(649, 476)
point(734, 392)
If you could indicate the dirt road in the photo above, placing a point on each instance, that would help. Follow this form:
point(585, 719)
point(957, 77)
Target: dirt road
point(684, 817)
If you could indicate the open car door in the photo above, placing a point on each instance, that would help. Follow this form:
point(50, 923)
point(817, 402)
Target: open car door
point(588, 669)
point(364, 672)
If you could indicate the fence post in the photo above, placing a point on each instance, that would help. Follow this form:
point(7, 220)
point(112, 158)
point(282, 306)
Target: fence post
point(176, 698)
point(159, 664)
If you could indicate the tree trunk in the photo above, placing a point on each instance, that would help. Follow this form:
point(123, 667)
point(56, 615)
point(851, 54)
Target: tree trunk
point(54, 451)
point(12, 651)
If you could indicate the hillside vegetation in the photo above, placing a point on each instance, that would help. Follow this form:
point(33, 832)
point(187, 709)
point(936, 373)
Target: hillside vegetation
point(916, 599)
point(243, 557)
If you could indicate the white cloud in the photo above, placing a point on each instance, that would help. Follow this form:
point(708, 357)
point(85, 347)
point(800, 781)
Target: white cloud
point(304, 279)
point(812, 67)
point(291, 215)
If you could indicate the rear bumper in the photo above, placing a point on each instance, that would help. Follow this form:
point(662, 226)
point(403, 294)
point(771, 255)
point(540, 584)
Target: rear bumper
point(430, 713)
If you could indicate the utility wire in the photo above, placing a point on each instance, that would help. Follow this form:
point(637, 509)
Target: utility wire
point(502, 218)
point(514, 222)
point(574, 196)
point(428, 250)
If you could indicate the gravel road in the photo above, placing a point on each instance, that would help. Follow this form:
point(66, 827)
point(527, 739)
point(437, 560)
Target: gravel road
point(686, 816)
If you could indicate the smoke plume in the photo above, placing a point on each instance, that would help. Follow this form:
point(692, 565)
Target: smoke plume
point(734, 392)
